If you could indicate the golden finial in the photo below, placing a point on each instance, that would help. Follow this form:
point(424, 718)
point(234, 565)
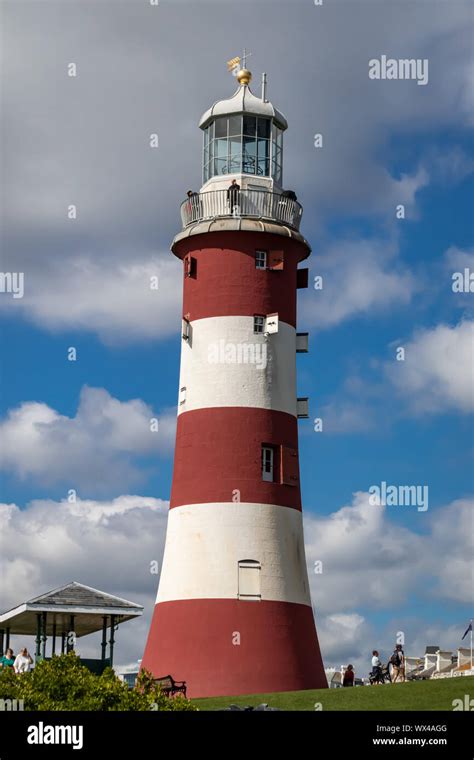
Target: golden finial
point(244, 76)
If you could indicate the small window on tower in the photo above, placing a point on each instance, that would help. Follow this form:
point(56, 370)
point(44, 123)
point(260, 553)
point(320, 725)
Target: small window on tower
point(190, 266)
point(267, 464)
point(185, 329)
point(258, 323)
point(260, 259)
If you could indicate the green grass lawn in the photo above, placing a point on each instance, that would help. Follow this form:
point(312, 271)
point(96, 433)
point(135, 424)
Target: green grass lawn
point(420, 695)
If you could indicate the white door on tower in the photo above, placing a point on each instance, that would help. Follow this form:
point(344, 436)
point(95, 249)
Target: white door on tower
point(249, 579)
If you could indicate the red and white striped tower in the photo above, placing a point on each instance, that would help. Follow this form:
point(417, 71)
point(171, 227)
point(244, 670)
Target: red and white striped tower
point(233, 612)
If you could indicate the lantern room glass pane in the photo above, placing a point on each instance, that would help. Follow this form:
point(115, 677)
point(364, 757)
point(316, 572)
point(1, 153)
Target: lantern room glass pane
point(277, 153)
point(277, 174)
point(263, 154)
point(263, 127)
point(235, 140)
point(249, 155)
point(220, 166)
point(220, 127)
point(235, 154)
point(220, 148)
point(235, 125)
point(249, 125)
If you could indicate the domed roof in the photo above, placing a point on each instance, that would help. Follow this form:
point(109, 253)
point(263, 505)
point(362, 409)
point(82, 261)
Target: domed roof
point(243, 101)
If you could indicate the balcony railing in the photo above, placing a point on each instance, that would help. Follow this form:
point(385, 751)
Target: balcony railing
point(248, 204)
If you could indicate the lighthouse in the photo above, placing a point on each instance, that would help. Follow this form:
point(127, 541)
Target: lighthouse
point(233, 612)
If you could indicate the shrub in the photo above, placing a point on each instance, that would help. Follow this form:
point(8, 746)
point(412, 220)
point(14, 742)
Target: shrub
point(62, 683)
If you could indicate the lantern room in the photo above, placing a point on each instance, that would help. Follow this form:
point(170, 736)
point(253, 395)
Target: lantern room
point(243, 139)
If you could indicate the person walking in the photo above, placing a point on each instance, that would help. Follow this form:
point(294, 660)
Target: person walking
point(397, 661)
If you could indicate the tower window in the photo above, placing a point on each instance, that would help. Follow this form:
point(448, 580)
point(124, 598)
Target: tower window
point(260, 259)
point(267, 464)
point(258, 323)
point(190, 266)
point(185, 329)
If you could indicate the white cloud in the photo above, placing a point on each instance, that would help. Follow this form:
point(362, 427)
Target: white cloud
point(453, 540)
point(404, 191)
point(450, 165)
point(96, 448)
point(113, 298)
point(457, 259)
point(364, 557)
point(347, 417)
point(343, 638)
point(437, 374)
point(359, 277)
point(369, 558)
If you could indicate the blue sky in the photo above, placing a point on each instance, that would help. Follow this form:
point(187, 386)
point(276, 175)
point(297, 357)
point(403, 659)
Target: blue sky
point(387, 284)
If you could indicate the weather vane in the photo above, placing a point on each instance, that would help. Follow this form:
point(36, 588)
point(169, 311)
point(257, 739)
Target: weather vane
point(235, 64)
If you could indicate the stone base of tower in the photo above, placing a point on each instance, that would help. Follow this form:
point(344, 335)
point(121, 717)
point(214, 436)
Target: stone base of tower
point(196, 640)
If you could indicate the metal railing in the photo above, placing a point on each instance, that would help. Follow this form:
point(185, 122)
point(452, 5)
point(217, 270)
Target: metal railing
point(250, 204)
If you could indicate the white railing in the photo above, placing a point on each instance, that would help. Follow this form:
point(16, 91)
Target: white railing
point(252, 204)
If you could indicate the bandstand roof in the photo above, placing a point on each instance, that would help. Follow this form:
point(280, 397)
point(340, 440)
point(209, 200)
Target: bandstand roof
point(87, 604)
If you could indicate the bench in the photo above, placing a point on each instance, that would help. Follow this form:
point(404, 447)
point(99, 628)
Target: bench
point(170, 687)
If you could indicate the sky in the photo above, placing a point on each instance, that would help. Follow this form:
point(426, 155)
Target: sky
point(83, 425)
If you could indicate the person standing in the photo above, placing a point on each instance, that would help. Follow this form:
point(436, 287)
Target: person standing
point(193, 205)
point(23, 661)
point(376, 667)
point(348, 679)
point(233, 195)
point(397, 661)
